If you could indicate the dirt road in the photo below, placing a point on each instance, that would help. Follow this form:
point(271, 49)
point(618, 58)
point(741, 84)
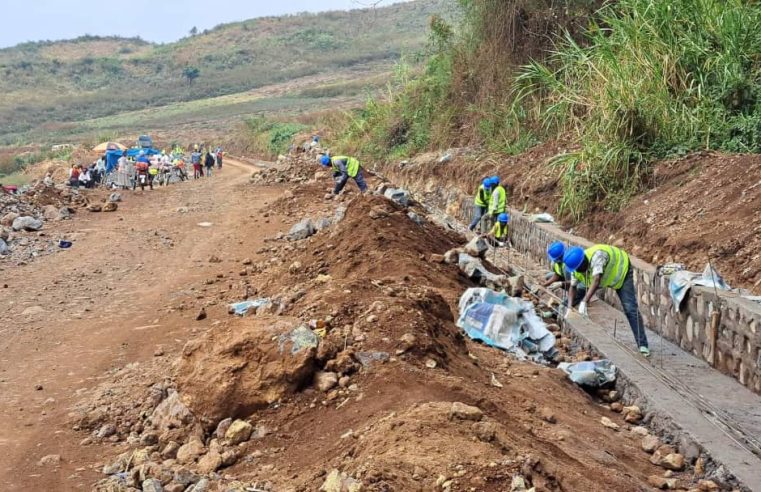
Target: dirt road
point(113, 298)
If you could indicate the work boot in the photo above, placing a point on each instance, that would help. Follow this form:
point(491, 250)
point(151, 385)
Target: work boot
point(644, 351)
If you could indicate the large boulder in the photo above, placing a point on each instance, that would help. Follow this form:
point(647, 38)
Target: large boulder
point(302, 230)
point(398, 195)
point(27, 223)
point(171, 413)
point(235, 370)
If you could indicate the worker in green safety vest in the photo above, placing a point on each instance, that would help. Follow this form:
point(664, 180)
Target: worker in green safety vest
point(344, 168)
point(498, 203)
point(498, 236)
point(607, 267)
point(559, 277)
point(482, 201)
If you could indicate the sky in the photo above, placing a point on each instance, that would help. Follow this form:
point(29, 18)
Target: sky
point(168, 20)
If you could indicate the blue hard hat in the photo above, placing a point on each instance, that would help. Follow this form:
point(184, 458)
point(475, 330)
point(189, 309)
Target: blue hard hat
point(495, 180)
point(486, 182)
point(503, 218)
point(556, 251)
point(573, 258)
point(325, 160)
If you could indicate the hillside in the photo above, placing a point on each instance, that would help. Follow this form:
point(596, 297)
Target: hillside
point(50, 83)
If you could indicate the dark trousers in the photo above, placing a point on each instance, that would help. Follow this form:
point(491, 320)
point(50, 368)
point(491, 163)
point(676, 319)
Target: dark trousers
point(359, 179)
point(628, 296)
point(478, 212)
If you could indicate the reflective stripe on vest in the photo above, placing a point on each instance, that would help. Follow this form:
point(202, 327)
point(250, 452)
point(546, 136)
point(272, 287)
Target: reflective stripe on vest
point(615, 270)
point(557, 268)
point(352, 165)
point(483, 197)
point(498, 200)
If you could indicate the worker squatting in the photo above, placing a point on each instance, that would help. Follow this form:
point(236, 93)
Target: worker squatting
point(583, 272)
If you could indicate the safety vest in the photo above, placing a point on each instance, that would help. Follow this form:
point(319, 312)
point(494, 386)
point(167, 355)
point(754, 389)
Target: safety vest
point(558, 269)
point(500, 231)
point(615, 271)
point(483, 196)
point(498, 202)
point(352, 165)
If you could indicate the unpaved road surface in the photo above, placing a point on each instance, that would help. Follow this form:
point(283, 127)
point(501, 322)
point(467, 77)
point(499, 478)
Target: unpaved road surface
point(66, 319)
point(99, 340)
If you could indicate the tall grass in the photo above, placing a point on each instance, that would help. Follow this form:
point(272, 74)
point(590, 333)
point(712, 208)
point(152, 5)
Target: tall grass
point(655, 78)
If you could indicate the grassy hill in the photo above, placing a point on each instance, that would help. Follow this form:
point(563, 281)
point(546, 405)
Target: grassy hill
point(48, 86)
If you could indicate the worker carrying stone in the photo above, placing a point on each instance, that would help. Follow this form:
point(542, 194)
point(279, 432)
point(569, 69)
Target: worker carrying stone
point(344, 168)
point(498, 236)
point(482, 201)
point(559, 276)
point(607, 267)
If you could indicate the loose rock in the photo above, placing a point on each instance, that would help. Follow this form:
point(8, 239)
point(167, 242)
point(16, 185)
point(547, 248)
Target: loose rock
point(465, 412)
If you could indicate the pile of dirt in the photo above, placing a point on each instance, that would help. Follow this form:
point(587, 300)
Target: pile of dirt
point(704, 207)
point(295, 168)
point(352, 375)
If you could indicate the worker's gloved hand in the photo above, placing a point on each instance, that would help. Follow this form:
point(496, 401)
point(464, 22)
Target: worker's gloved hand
point(556, 285)
point(583, 309)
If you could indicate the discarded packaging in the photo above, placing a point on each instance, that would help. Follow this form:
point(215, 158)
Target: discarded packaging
point(300, 339)
point(682, 281)
point(592, 373)
point(242, 308)
point(506, 322)
point(543, 218)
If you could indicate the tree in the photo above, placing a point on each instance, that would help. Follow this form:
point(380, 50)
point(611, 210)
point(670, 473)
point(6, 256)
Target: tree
point(194, 31)
point(191, 73)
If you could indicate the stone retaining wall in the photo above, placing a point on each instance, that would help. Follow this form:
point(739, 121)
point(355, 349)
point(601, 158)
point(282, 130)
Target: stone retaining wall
point(733, 347)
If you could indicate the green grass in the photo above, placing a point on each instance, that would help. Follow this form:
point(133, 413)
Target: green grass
point(49, 84)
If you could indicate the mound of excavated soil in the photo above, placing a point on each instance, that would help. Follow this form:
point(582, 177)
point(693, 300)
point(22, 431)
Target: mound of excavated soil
point(393, 397)
point(233, 371)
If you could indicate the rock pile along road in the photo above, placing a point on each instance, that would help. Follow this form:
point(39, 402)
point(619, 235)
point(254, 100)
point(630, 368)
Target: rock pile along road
point(122, 369)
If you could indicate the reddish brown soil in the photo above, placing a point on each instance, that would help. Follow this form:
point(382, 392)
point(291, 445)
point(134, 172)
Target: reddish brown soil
point(148, 273)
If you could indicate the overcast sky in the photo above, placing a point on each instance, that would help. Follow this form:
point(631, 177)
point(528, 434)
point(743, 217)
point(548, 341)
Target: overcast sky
point(153, 20)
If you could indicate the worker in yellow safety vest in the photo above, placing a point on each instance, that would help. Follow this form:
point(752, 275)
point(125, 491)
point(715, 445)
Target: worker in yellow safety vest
point(559, 276)
point(498, 236)
point(498, 204)
point(607, 267)
point(344, 168)
point(482, 201)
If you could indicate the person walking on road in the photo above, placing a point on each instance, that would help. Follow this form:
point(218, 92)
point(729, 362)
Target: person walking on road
point(209, 163)
point(607, 267)
point(344, 168)
point(482, 201)
point(195, 160)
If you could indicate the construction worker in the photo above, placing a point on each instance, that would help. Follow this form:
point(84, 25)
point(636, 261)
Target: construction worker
point(498, 203)
point(498, 235)
point(344, 168)
point(482, 200)
point(608, 267)
point(559, 274)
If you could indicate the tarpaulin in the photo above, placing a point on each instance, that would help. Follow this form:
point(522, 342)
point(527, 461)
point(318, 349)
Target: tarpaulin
point(508, 323)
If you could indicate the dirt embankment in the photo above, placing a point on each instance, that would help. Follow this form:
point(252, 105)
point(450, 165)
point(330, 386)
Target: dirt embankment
point(390, 397)
point(705, 206)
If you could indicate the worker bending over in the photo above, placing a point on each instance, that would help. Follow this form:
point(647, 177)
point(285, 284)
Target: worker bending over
point(559, 275)
point(343, 169)
point(608, 267)
point(482, 201)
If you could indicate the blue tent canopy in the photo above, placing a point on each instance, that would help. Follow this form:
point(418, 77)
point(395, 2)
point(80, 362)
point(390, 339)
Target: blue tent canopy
point(112, 159)
point(136, 152)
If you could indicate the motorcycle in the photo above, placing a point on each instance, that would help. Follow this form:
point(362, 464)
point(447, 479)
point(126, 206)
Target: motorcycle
point(142, 179)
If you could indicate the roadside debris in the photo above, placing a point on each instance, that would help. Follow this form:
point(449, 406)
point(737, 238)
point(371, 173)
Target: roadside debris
point(242, 308)
point(591, 373)
point(506, 322)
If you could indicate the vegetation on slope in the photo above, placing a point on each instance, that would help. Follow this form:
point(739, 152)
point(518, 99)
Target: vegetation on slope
point(91, 77)
point(643, 80)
